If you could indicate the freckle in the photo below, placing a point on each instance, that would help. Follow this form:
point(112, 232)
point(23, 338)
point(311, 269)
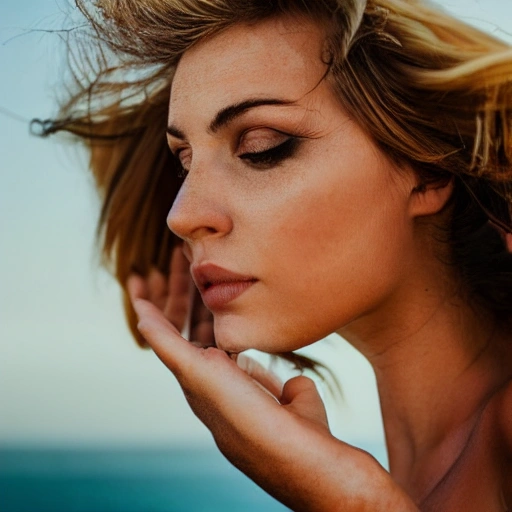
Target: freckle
point(426, 289)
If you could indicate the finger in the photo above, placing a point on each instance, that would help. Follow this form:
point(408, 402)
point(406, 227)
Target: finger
point(179, 266)
point(227, 400)
point(163, 337)
point(213, 373)
point(157, 287)
point(201, 321)
point(267, 380)
point(212, 382)
point(203, 334)
point(178, 299)
point(153, 288)
point(199, 345)
point(301, 396)
point(137, 287)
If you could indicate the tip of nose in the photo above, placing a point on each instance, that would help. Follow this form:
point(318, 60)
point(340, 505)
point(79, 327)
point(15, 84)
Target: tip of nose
point(193, 217)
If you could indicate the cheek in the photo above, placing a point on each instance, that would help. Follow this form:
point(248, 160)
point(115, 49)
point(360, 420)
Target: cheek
point(335, 254)
point(326, 252)
point(342, 224)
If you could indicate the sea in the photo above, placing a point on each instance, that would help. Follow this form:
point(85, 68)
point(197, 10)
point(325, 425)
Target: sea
point(126, 480)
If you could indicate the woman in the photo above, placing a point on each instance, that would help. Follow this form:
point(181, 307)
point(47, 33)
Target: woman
point(334, 166)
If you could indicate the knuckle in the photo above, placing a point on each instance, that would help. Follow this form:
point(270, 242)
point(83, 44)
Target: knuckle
point(209, 353)
point(213, 355)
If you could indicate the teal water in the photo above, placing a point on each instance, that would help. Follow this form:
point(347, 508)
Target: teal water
point(97, 480)
point(125, 481)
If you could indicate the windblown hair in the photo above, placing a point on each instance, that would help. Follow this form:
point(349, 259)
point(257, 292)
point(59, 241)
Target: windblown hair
point(432, 92)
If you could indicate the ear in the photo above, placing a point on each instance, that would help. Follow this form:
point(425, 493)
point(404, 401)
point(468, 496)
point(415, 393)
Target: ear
point(429, 199)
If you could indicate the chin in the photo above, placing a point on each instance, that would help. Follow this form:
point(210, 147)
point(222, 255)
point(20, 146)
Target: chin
point(235, 335)
point(236, 340)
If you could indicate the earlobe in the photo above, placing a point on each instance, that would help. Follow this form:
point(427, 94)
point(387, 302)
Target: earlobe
point(429, 199)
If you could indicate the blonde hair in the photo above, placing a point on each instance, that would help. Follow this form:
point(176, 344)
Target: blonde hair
point(432, 91)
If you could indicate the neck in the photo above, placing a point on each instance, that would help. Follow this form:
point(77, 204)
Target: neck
point(436, 363)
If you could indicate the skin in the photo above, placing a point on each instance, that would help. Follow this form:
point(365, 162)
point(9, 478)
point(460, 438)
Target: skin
point(338, 239)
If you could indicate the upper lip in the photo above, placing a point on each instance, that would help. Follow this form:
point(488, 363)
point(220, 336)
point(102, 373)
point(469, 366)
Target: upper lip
point(208, 274)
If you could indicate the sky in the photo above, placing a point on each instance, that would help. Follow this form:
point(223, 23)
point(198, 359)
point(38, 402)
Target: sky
point(70, 373)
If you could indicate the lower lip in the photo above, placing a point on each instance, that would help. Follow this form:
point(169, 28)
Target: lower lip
point(219, 295)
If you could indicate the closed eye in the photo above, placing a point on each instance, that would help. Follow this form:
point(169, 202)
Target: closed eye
point(272, 156)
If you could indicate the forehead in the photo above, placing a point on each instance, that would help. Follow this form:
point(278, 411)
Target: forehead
point(276, 57)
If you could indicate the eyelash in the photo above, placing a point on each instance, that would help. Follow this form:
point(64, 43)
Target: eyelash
point(262, 159)
point(272, 156)
point(180, 171)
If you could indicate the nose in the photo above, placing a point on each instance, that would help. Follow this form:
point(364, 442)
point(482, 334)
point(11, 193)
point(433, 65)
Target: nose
point(199, 210)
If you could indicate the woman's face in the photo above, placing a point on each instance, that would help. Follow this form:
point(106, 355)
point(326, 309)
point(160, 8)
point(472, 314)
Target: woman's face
point(295, 223)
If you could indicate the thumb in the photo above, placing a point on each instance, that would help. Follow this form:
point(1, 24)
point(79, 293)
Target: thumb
point(301, 396)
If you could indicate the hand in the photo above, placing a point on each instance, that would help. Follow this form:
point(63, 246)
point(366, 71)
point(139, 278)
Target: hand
point(177, 297)
point(277, 435)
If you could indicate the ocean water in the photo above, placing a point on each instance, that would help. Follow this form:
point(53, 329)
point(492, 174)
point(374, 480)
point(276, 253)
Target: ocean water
point(99, 480)
point(61, 480)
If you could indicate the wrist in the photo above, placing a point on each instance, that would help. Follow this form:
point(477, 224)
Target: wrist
point(370, 488)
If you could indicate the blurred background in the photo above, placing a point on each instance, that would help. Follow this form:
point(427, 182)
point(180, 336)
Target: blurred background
point(87, 420)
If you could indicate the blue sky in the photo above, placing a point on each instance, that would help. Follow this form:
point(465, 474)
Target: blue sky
point(69, 372)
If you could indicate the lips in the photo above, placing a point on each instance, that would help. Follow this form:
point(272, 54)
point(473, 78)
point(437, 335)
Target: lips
point(219, 286)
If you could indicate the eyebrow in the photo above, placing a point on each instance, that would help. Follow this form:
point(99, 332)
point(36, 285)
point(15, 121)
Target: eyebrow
point(230, 113)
